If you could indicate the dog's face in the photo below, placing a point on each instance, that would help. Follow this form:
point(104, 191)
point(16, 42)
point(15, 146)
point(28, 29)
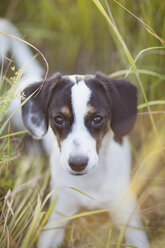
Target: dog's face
point(80, 111)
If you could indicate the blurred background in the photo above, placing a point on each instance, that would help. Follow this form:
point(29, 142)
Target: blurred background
point(75, 38)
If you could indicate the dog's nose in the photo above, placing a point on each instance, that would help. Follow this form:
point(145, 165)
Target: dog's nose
point(78, 163)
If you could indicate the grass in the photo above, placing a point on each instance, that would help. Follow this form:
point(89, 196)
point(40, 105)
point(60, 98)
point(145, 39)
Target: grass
point(119, 38)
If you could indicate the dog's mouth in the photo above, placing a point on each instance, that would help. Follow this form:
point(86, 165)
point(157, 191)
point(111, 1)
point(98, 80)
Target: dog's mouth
point(74, 173)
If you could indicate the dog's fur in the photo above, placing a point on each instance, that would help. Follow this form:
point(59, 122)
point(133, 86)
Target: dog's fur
point(82, 121)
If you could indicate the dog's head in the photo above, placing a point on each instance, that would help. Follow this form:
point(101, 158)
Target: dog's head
point(80, 110)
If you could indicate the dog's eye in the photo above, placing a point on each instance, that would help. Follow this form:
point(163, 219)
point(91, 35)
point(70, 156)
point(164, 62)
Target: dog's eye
point(97, 120)
point(59, 120)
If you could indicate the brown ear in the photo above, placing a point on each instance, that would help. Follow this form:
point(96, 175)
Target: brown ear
point(35, 110)
point(123, 101)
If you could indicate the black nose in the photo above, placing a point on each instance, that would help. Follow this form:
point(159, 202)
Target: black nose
point(78, 163)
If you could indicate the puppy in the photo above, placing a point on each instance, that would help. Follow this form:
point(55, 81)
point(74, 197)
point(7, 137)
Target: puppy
point(82, 121)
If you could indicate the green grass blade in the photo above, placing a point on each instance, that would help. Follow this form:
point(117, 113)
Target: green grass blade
point(50, 210)
point(140, 71)
point(109, 239)
point(151, 103)
point(13, 134)
point(87, 213)
point(148, 28)
point(142, 52)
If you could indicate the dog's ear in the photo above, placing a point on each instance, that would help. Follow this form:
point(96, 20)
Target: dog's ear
point(35, 110)
point(123, 100)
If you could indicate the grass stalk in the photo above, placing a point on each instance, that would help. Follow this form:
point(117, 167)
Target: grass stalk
point(130, 59)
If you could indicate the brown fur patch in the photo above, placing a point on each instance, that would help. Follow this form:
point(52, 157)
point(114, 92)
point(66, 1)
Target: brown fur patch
point(66, 111)
point(100, 136)
point(90, 109)
point(67, 115)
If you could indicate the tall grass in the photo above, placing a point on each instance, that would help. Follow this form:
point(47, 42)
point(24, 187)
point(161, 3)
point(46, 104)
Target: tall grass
point(122, 39)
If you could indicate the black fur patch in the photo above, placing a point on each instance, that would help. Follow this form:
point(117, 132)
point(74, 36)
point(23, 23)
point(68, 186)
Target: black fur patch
point(123, 104)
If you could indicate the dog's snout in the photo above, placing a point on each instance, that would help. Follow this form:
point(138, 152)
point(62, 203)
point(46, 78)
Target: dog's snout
point(78, 163)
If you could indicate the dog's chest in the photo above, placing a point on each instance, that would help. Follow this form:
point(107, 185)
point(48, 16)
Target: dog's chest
point(89, 191)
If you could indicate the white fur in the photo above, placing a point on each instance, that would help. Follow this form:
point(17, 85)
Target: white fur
point(108, 184)
point(24, 58)
point(21, 53)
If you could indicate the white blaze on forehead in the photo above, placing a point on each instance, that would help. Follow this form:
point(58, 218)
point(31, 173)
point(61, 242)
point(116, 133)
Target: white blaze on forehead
point(72, 78)
point(76, 77)
point(80, 97)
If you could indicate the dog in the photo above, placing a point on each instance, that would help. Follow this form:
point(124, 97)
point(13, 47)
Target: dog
point(83, 121)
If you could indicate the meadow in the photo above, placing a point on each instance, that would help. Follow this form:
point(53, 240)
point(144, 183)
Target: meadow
point(122, 39)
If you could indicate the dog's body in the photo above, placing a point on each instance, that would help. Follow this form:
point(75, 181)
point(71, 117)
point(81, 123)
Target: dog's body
point(82, 121)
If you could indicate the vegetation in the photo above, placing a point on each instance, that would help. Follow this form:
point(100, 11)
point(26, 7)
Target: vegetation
point(119, 38)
